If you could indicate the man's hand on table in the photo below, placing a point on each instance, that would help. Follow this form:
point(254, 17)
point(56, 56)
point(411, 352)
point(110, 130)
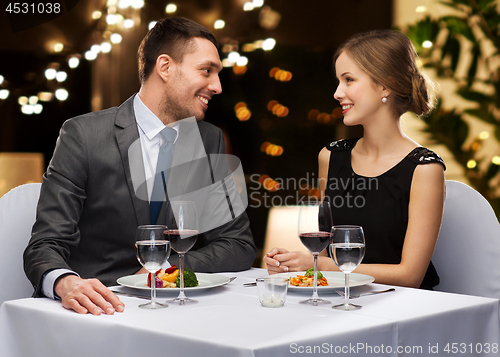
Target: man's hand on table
point(87, 295)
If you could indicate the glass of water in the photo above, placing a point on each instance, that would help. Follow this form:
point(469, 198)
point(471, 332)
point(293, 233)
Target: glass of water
point(153, 250)
point(347, 251)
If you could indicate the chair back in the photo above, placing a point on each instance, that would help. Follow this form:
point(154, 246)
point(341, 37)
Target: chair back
point(281, 231)
point(467, 254)
point(17, 216)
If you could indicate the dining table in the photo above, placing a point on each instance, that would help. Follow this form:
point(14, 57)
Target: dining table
point(228, 320)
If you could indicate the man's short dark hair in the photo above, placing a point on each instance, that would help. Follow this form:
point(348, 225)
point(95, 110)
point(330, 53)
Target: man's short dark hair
point(171, 36)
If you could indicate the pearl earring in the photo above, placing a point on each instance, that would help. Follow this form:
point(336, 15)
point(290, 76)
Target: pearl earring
point(384, 100)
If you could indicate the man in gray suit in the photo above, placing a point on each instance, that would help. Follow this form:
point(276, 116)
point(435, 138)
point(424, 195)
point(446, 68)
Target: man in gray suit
point(90, 203)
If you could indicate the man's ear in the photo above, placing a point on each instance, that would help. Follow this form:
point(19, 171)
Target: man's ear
point(162, 67)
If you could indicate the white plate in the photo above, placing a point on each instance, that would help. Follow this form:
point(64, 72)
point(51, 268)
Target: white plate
point(205, 281)
point(335, 279)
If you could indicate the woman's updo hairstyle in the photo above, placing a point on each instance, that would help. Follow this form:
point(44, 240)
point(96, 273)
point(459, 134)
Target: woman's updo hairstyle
point(389, 58)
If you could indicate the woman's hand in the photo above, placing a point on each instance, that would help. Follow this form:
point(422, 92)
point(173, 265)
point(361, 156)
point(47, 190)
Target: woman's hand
point(280, 260)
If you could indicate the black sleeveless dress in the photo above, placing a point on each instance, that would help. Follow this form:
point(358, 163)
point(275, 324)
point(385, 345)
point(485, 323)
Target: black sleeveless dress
point(378, 204)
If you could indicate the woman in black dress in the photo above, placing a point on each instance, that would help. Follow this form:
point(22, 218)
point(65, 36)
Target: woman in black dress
point(383, 181)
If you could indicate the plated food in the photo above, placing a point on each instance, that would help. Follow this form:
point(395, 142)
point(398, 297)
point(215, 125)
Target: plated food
point(170, 278)
point(336, 280)
point(205, 281)
point(307, 279)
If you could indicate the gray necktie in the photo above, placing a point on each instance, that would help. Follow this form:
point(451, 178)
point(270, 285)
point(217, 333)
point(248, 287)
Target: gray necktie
point(162, 171)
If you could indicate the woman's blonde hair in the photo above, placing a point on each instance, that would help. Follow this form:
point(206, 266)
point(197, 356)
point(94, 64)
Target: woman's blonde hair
point(390, 59)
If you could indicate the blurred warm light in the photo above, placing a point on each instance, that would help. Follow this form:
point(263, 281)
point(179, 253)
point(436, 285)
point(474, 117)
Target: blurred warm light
point(23, 100)
point(313, 114)
point(258, 43)
point(240, 105)
point(233, 56)
point(484, 135)
point(128, 23)
point(170, 8)
point(110, 3)
point(239, 69)
point(111, 19)
point(268, 44)
point(219, 24)
point(248, 47)
point(257, 3)
point(323, 118)
point(58, 47)
point(61, 76)
point(271, 149)
point(151, 24)
point(421, 9)
point(27, 109)
point(4, 93)
point(37, 108)
point(227, 63)
point(115, 38)
point(263, 178)
point(282, 112)
point(95, 48)
point(280, 75)
point(264, 146)
point(242, 61)
point(277, 109)
point(123, 4)
point(337, 113)
point(248, 6)
point(1, 79)
point(73, 62)
point(271, 185)
point(90, 56)
point(272, 104)
point(495, 160)
point(96, 15)
point(314, 192)
point(427, 44)
point(105, 47)
point(137, 4)
point(471, 164)
point(242, 112)
point(50, 73)
point(33, 100)
point(45, 96)
point(61, 94)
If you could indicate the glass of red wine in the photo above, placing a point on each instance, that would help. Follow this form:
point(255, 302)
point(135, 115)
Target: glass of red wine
point(315, 224)
point(153, 250)
point(182, 234)
point(347, 251)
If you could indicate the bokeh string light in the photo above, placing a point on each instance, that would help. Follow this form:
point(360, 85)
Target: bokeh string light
point(116, 17)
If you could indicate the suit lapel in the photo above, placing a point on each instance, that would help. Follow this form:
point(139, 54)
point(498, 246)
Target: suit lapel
point(127, 138)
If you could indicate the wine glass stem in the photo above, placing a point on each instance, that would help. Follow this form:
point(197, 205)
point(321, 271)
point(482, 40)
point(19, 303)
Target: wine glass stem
point(315, 284)
point(153, 288)
point(181, 272)
point(347, 289)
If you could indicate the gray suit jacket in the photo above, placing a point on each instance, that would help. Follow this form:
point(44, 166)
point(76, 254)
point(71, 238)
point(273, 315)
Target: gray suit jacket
point(88, 210)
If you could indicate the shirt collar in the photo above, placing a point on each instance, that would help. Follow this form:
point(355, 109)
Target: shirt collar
point(148, 122)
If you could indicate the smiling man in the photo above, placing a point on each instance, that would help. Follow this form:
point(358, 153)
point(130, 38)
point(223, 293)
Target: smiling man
point(90, 206)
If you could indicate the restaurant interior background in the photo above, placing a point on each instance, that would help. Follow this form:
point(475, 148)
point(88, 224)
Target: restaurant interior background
point(276, 109)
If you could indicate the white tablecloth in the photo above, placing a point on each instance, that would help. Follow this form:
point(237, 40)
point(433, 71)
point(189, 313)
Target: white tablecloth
point(229, 321)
